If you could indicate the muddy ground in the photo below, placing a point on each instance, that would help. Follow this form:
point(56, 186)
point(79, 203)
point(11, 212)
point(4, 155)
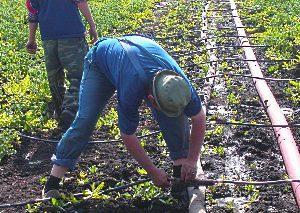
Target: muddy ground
point(233, 152)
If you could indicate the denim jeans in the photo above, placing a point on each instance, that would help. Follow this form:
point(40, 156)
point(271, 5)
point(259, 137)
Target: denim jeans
point(95, 92)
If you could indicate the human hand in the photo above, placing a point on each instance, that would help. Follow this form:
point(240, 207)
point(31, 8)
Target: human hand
point(93, 34)
point(188, 170)
point(160, 178)
point(31, 47)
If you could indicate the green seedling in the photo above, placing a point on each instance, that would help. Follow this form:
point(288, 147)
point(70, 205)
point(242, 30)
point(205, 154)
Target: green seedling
point(33, 208)
point(161, 141)
point(95, 192)
point(233, 99)
point(43, 180)
point(142, 171)
point(93, 169)
point(249, 188)
point(218, 150)
point(82, 178)
point(147, 191)
point(230, 205)
point(253, 198)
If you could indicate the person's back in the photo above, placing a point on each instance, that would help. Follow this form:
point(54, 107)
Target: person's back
point(63, 37)
point(57, 18)
point(125, 76)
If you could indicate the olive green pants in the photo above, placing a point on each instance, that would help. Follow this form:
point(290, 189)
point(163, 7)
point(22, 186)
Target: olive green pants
point(64, 63)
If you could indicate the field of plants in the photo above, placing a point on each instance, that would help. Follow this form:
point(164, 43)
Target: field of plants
point(230, 151)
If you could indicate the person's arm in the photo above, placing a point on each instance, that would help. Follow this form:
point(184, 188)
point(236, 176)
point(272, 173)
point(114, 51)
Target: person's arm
point(31, 45)
point(158, 176)
point(197, 135)
point(189, 166)
point(85, 11)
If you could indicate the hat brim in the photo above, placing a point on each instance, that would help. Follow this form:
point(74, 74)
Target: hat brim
point(159, 75)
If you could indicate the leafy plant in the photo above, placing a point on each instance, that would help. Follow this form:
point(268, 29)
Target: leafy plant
point(293, 91)
point(32, 208)
point(233, 99)
point(93, 169)
point(95, 192)
point(43, 180)
point(82, 178)
point(147, 191)
point(219, 150)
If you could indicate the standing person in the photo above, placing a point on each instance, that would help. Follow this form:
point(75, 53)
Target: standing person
point(138, 69)
point(65, 46)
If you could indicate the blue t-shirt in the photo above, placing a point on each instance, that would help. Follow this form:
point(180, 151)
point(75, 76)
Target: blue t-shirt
point(111, 59)
point(57, 18)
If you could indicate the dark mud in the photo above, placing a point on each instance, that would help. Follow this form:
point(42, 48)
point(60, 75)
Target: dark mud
point(234, 152)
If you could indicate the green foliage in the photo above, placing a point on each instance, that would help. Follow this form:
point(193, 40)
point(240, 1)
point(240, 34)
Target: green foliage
point(110, 120)
point(219, 150)
point(56, 202)
point(217, 131)
point(279, 22)
point(294, 92)
point(142, 171)
point(233, 99)
point(43, 180)
point(32, 208)
point(124, 16)
point(95, 192)
point(147, 191)
point(82, 178)
point(279, 25)
point(6, 139)
point(230, 205)
point(93, 169)
point(161, 142)
point(253, 198)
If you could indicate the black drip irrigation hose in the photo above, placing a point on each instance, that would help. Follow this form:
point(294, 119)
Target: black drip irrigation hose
point(217, 122)
point(90, 142)
point(230, 28)
point(254, 124)
point(237, 46)
point(249, 76)
point(194, 183)
point(210, 182)
point(251, 60)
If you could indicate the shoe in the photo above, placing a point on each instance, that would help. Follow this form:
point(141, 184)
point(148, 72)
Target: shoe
point(66, 119)
point(51, 188)
point(53, 193)
point(179, 189)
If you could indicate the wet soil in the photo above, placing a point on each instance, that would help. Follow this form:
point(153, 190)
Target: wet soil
point(246, 153)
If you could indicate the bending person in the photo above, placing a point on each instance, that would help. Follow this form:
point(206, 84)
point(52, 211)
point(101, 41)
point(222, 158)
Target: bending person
point(138, 69)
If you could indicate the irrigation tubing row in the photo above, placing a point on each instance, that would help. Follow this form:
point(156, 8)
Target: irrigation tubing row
point(208, 182)
point(250, 76)
point(218, 122)
point(258, 60)
point(191, 53)
point(90, 142)
point(195, 183)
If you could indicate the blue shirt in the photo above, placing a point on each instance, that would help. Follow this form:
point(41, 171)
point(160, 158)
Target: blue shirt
point(112, 60)
point(57, 18)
